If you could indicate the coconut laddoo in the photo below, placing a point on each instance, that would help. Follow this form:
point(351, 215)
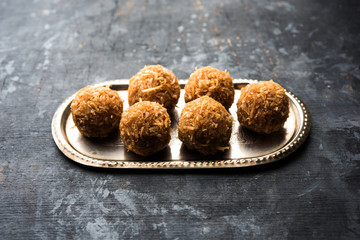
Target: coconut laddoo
point(96, 111)
point(211, 82)
point(154, 83)
point(263, 107)
point(145, 128)
point(205, 125)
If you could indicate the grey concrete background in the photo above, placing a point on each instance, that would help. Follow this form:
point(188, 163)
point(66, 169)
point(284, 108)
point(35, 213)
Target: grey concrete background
point(50, 49)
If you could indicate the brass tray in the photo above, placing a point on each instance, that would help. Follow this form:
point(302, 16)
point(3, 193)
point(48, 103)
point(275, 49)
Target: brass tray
point(246, 147)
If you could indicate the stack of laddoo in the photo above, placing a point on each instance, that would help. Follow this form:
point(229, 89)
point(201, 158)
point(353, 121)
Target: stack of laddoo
point(205, 124)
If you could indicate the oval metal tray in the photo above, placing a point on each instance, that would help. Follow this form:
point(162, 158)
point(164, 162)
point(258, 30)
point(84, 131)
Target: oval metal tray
point(246, 147)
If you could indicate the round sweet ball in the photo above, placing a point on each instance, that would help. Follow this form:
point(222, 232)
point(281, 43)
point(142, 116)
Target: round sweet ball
point(205, 125)
point(145, 128)
point(211, 82)
point(263, 107)
point(96, 111)
point(154, 83)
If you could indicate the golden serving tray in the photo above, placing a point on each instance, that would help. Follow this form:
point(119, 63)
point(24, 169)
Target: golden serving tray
point(246, 147)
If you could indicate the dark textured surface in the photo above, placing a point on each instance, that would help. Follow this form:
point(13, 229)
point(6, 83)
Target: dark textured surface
point(50, 49)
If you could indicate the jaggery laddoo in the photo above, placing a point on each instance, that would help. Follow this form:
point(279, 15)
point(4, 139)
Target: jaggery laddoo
point(211, 82)
point(96, 111)
point(263, 107)
point(154, 83)
point(145, 128)
point(205, 125)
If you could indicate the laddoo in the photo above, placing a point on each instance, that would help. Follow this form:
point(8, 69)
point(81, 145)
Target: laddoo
point(211, 82)
point(263, 107)
point(205, 125)
point(96, 111)
point(154, 83)
point(145, 128)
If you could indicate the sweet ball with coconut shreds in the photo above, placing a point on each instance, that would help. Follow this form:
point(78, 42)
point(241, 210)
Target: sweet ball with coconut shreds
point(211, 82)
point(205, 125)
point(145, 128)
point(96, 111)
point(263, 107)
point(154, 83)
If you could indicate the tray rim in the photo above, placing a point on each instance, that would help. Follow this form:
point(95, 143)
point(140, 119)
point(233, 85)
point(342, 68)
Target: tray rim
point(65, 147)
